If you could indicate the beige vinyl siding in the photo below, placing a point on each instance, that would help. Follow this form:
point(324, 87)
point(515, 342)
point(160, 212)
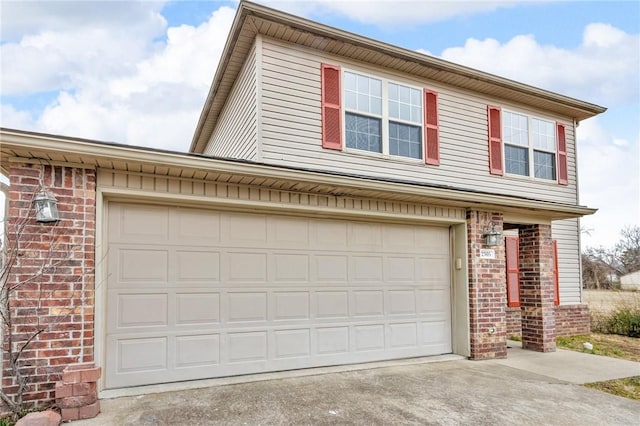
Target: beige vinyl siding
point(235, 135)
point(291, 130)
point(202, 192)
point(566, 233)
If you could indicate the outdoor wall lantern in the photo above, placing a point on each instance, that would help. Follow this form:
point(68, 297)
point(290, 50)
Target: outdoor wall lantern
point(492, 235)
point(46, 206)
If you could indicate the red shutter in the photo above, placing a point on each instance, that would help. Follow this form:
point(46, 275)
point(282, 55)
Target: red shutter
point(563, 173)
point(330, 103)
point(431, 132)
point(556, 280)
point(495, 140)
point(512, 254)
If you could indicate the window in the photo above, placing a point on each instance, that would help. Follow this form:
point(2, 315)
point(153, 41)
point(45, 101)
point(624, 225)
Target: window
point(529, 146)
point(379, 115)
point(382, 116)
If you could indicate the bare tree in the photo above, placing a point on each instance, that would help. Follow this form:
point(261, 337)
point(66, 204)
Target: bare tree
point(25, 319)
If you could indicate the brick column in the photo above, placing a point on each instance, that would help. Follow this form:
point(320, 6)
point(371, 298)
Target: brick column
point(52, 275)
point(487, 289)
point(537, 288)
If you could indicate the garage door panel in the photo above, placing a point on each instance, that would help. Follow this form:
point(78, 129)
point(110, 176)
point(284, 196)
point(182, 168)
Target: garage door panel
point(332, 304)
point(197, 350)
point(195, 227)
point(368, 337)
point(288, 232)
point(246, 307)
point(331, 268)
point(367, 303)
point(247, 346)
point(255, 292)
point(197, 308)
point(154, 312)
point(332, 340)
point(141, 223)
point(401, 302)
point(399, 269)
point(365, 269)
point(291, 305)
point(142, 265)
point(244, 230)
point(328, 235)
point(403, 335)
point(365, 237)
point(142, 354)
point(289, 267)
point(246, 266)
point(197, 265)
point(292, 343)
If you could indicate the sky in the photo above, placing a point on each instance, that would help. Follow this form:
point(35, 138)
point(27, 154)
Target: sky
point(138, 72)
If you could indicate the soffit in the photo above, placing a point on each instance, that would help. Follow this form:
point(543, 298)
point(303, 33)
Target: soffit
point(252, 19)
point(19, 146)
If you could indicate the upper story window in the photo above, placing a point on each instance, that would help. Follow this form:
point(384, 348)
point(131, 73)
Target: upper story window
point(530, 146)
point(368, 113)
point(382, 116)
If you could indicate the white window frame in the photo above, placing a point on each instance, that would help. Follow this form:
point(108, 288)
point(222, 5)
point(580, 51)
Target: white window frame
point(530, 147)
point(384, 117)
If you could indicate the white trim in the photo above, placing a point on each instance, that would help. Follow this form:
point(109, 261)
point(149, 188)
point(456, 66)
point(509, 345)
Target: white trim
point(530, 148)
point(384, 117)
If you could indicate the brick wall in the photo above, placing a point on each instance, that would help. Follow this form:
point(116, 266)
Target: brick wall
point(572, 320)
point(514, 322)
point(537, 288)
point(53, 275)
point(487, 290)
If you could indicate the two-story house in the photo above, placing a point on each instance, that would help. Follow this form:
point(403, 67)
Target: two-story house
point(344, 201)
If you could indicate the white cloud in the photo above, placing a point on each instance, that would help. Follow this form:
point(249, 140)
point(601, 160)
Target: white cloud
point(387, 13)
point(605, 68)
point(118, 85)
point(609, 176)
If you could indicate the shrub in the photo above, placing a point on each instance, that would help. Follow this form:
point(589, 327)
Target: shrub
point(623, 320)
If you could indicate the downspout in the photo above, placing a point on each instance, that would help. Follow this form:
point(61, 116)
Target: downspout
point(4, 188)
point(575, 150)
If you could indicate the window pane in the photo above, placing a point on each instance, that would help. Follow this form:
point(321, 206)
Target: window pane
point(516, 160)
point(394, 109)
point(351, 100)
point(544, 136)
point(544, 165)
point(376, 106)
point(363, 133)
point(405, 103)
point(405, 140)
point(363, 94)
point(514, 128)
point(376, 87)
point(350, 81)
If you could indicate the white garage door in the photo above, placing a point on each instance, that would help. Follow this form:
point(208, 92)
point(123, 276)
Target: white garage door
point(197, 293)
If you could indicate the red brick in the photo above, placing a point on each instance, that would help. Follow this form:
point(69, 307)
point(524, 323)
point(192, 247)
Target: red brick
point(89, 411)
point(64, 390)
point(76, 401)
point(70, 414)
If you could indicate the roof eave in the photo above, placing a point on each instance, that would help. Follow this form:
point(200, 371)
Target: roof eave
point(93, 151)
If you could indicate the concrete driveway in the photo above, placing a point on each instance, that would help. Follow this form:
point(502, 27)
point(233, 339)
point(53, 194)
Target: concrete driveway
point(445, 393)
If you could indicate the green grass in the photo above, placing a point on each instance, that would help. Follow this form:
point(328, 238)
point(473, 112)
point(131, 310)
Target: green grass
point(614, 346)
point(628, 388)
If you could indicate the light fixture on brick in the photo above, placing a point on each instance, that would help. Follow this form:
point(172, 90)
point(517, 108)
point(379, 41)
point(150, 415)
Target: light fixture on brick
point(492, 235)
point(46, 206)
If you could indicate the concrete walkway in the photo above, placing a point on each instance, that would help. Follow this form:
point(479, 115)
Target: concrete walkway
point(527, 388)
point(570, 366)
